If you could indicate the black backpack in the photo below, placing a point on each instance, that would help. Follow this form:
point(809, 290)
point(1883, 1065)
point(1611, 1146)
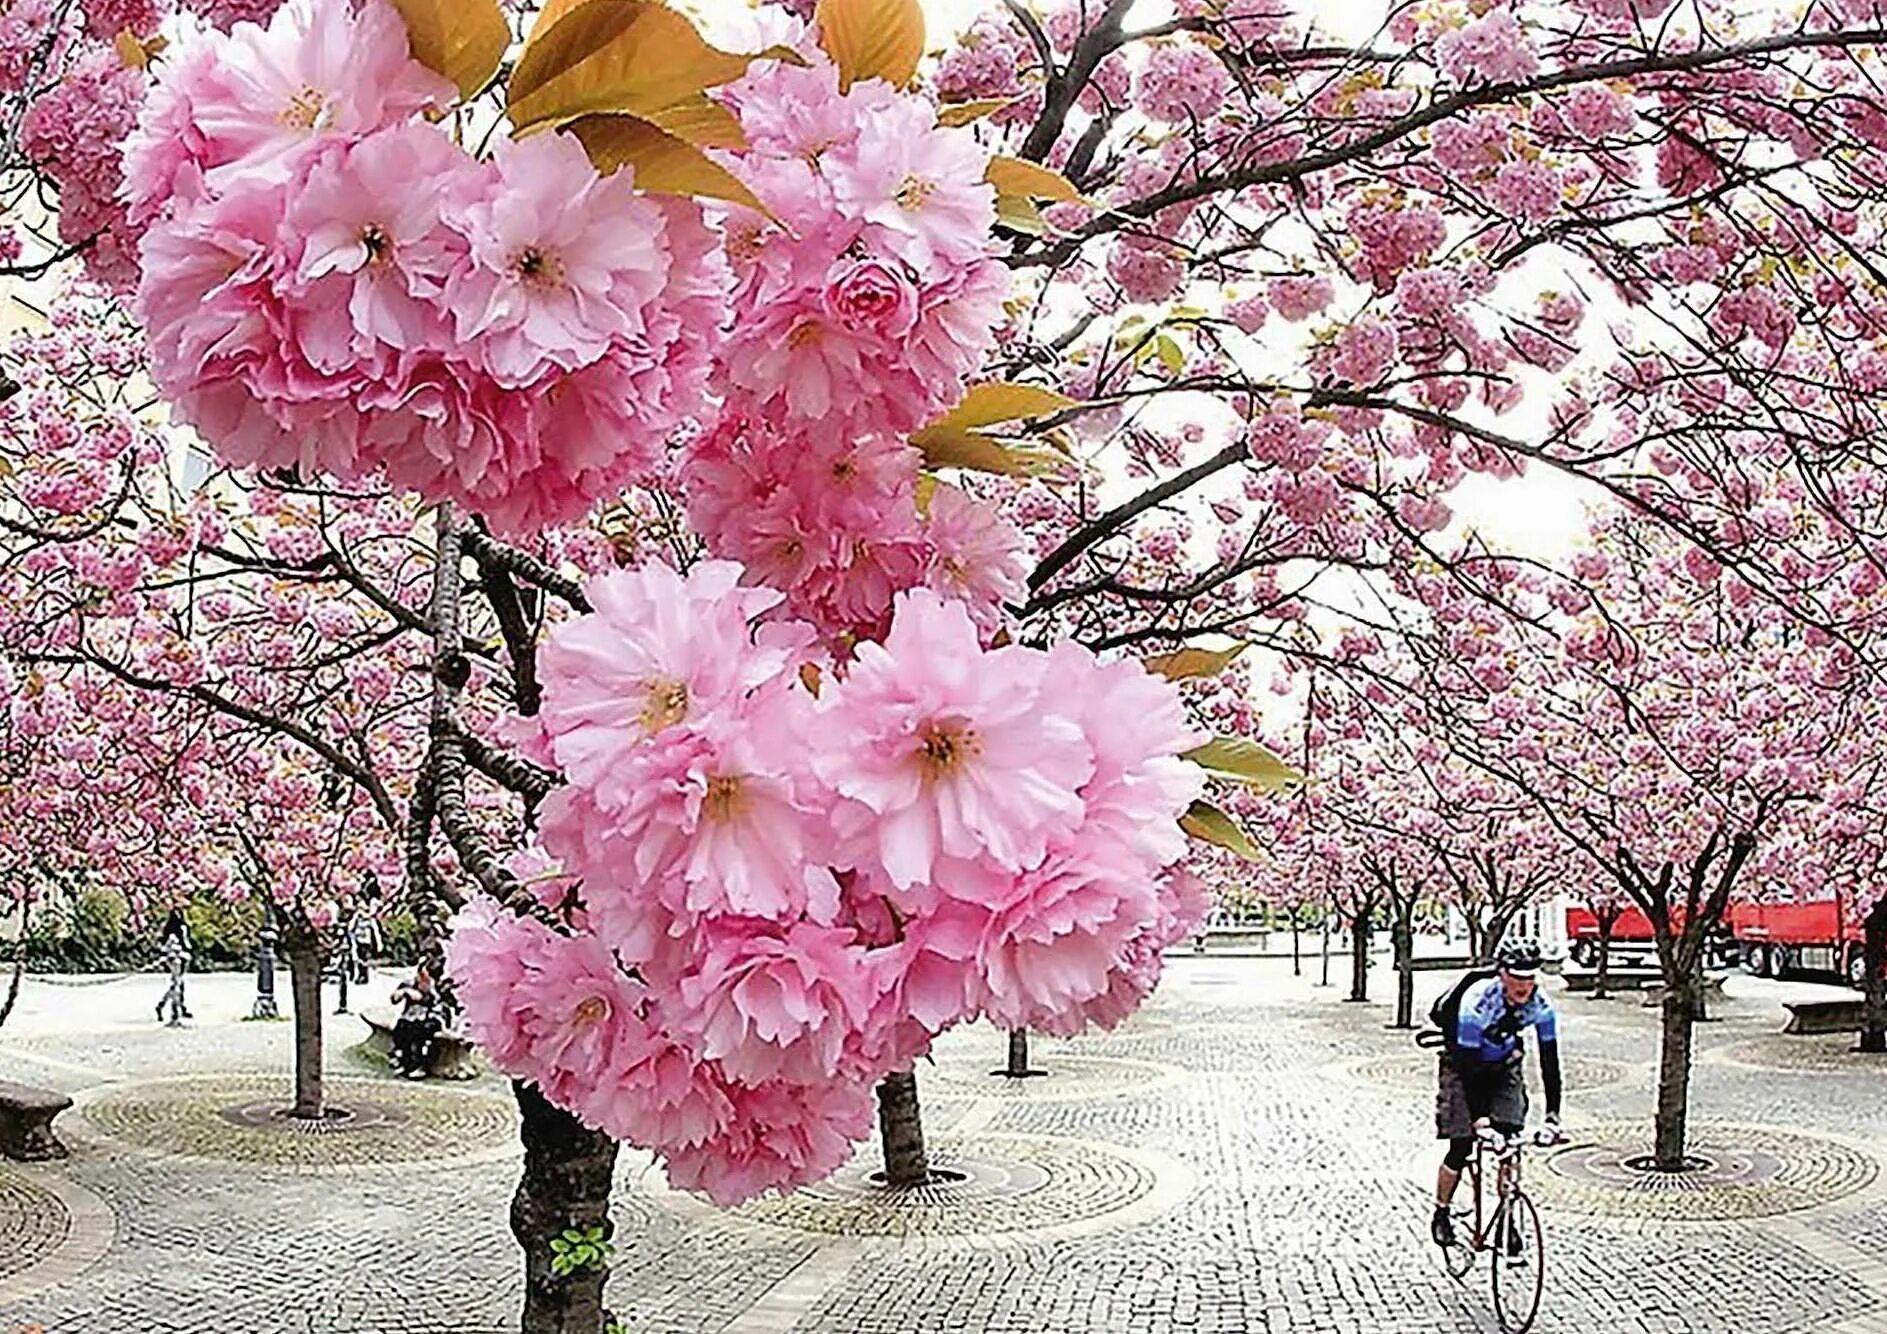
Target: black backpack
point(1445, 1013)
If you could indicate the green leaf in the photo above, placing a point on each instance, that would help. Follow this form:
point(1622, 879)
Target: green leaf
point(1187, 662)
point(1208, 823)
point(462, 39)
point(1000, 401)
point(1245, 761)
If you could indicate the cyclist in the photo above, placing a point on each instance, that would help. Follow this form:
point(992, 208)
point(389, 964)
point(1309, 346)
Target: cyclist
point(1482, 1079)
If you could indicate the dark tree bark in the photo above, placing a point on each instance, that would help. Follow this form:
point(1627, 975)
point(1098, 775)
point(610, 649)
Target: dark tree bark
point(1674, 1061)
point(1017, 1065)
point(901, 1126)
point(1297, 958)
point(1359, 952)
point(1402, 936)
point(1600, 983)
point(568, 1169)
point(1873, 984)
point(304, 977)
point(19, 961)
point(1683, 919)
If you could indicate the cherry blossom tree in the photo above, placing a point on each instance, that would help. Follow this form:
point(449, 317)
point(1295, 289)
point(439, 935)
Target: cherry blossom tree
point(948, 397)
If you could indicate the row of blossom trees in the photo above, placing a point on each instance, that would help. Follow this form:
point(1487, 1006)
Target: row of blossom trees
point(917, 401)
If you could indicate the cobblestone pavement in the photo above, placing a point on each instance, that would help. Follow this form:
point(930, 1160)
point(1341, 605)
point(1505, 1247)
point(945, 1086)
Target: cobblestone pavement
point(1250, 1154)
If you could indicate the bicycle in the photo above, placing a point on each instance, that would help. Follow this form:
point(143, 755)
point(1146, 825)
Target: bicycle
point(1512, 1233)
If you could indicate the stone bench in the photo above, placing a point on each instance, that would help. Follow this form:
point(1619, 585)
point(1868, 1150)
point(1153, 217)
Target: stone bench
point(454, 1055)
point(1229, 934)
point(26, 1115)
point(1616, 979)
point(1824, 1016)
point(1441, 963)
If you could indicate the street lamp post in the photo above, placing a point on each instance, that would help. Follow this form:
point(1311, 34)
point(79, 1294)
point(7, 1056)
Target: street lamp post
point(264, 1007)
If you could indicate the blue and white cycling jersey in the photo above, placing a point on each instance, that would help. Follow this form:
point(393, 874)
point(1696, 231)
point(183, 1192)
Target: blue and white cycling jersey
point(1489, 1028)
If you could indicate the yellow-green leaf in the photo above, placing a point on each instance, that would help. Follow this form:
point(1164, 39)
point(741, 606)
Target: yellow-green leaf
point(462, 39)
point(1000, 401)
point(1207, 822)
point(979, 453)
point(1189, 662)
point(1029, 180)
point(965, 113)
point(1020, 214)
point(1170, 354)
point(701, 121)
point(631, 56)
point(1245, 761)
point(872, 39)
point(662, 163)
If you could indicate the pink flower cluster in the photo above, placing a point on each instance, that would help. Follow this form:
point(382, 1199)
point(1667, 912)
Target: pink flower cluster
point(834, 523)
point(1182, 81)
point(330, 283)
point(788, 891)
point(1493, 48)
point(872, 292)
point(861, 307)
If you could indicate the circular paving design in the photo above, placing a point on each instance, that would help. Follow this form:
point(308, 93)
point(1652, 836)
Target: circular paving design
point(1064, 1076)
point(1745, 1172)
point(1832, 1054)
point(232, 1119)
point(1039, 1185)
point(1416, 1070)
point(51, 1229)
point(33, 1221)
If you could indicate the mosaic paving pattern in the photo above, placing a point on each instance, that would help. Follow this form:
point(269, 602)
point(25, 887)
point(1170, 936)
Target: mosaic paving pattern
point(33, 1223)
point(1416, 1072)
point(1064, 1075)
point(1745, 1173)
point(1831, 1054)
point(226, 1118)
point(1012, 1184)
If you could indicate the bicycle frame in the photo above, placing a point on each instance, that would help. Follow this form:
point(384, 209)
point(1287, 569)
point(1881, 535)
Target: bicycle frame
point(1505, 1153)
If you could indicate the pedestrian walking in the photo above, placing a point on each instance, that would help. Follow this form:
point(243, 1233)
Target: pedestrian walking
point(174, 950)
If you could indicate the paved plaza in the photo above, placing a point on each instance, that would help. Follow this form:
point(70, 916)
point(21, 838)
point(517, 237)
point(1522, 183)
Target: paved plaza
point(1249, 1153)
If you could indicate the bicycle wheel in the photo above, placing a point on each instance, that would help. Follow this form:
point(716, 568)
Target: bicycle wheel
point(1519, 1272)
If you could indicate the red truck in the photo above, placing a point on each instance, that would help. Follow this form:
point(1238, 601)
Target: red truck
point(1779, 938)
point(1769, 939)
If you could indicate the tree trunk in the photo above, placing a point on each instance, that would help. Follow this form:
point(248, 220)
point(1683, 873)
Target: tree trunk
point(901, 1126)
point(1674, 1073)
point(304, 974)
point(19, 962)
point(1297, 959)
point(1471, 928)
point(1402, 936)
point(1873, 984)
point(1359, 957)
point(1495, 932)
point(1017, 1066)
point(568, 1169)
point(1604, 978)
point(1323, 946)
